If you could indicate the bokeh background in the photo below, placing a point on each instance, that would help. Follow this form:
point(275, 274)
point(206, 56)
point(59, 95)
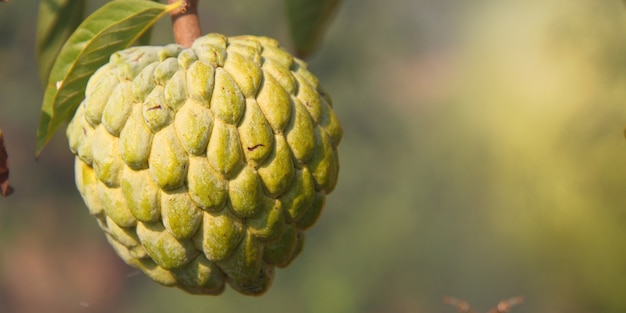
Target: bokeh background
point(483, 158)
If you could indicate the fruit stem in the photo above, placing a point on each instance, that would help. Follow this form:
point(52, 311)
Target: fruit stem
point(185, 22)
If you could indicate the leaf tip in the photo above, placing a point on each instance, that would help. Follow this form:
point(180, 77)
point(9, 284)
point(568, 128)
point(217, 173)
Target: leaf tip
point(43, 135)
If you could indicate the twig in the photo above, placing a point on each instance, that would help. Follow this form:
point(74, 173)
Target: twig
point(503, 306)
point(461, 305)
point(5, 188)
point(185, 23)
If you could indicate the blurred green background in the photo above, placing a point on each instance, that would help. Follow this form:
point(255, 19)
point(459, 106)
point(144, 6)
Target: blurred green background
point(483, 158)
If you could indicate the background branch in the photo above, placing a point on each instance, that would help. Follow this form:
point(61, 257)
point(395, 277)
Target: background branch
point(5, 188)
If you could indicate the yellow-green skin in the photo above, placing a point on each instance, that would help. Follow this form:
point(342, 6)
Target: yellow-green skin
point(205, 165)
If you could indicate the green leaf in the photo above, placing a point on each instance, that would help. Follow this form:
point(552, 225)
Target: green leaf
point(56, 21)
point(307, 21)
point(144, 40)
point(111, 28)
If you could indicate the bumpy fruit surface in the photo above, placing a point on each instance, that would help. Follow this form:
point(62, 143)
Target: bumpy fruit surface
point(204, 166)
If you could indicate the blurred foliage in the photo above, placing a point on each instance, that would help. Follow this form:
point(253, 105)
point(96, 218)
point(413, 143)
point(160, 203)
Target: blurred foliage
point(483, 158)
point(307, 20)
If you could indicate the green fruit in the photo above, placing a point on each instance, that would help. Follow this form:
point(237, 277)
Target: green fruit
point(204, 166)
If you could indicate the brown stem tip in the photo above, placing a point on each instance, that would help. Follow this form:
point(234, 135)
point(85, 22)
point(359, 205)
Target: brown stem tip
point(185, 22)
point(5, 188)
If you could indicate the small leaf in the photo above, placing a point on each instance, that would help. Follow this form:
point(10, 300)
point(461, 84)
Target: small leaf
point(307, 21)
point(56, 22)
point(111, 28)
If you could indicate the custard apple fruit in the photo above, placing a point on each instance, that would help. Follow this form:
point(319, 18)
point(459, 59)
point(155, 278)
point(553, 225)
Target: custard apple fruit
point(205, 165)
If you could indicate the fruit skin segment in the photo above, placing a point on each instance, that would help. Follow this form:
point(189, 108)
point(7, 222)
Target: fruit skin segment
point(204, 166)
